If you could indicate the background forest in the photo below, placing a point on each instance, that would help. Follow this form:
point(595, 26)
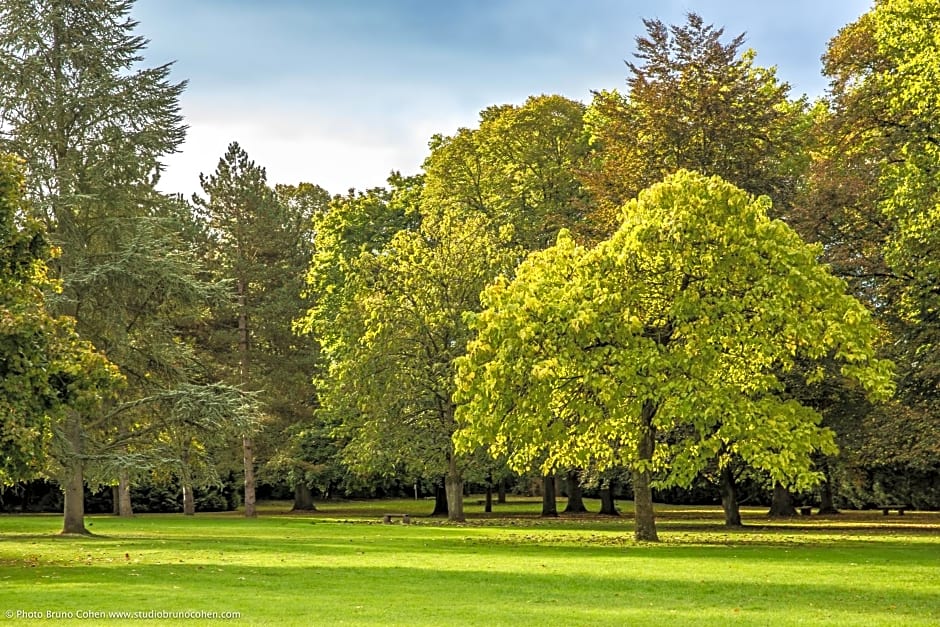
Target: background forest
point(693, 288)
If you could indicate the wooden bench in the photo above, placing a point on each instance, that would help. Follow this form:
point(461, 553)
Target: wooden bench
point(806, 510)
point(887, 508)
point(405, 518)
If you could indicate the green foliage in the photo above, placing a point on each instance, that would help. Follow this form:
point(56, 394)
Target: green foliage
point(873, 207)
point(519, 168)
point(694, 102)
point(45, 369)
point(689, 316)
point(76, 106)
point(389, 316)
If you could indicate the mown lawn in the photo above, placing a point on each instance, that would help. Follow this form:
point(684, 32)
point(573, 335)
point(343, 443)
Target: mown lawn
point(340, 565)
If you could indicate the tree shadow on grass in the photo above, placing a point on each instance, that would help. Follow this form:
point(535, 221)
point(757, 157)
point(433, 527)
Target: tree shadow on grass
point(327, 594)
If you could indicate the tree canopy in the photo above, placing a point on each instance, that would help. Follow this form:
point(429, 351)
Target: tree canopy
point(682, 324)
point(46, 370)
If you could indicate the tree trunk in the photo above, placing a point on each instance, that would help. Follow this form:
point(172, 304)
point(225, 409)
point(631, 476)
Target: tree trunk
point(826, 503)
point(249, 447)
point(440, 500)
point(501, 492)
point(549, 502)
point(729, 497)
point(782, 504)
point(124, 507)
point(189, 499)
point(186, 482)
point(303, 498)
point(453, 485)
point(644, 516)
point(608, 504)
point(115, 501)
point(74, 484)
point(488, 507)
point(575, 497)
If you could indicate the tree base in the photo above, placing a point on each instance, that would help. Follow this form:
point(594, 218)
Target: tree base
point(84, 533)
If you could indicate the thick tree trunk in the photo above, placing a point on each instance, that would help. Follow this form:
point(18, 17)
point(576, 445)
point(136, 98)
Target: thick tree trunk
point(501, 492)
point(488, 507)
point(124, 507)
point(549, 502)
point(440, 500)
point(303, 498)
point(608, 503)
point(782, 504)
point(115, 501)
point(189, 499)
point(453, 485)
point(74, 514)
point(827, 505)
point(729, 497)
point(645, 517)
point(74, 483)
point(575, 497)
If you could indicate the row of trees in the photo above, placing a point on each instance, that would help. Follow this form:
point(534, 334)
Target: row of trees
point(521, 305)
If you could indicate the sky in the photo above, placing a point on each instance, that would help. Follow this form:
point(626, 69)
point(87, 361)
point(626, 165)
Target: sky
point(342, 92)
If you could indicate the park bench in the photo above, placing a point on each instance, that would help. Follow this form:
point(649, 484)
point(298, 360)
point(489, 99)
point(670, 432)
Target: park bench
point(405, 518)
point(806, 510)
point(887, 508)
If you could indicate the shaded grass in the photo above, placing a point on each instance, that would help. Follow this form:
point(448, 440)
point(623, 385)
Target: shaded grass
point(340, 565)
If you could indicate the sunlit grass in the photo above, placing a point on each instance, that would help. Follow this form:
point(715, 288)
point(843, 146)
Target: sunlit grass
point(341, 565)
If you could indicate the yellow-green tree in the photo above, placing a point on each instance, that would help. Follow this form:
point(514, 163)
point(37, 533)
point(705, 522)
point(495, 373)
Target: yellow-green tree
point(682, 324)
point(518, 167)
point(391, 281)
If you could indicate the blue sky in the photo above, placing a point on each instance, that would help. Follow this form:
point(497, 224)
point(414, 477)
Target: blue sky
point(339, 93)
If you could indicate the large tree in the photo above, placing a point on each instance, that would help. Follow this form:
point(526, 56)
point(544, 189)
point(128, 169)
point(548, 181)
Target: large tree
point(872, 204)
point(297, 445)
point(518, 167)
point(681, 325)
point(244, 221)
point(389, 316)
point(46, 372)
point(92, 126)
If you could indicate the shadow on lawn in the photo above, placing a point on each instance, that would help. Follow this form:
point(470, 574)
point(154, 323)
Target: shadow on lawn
point(401, 595)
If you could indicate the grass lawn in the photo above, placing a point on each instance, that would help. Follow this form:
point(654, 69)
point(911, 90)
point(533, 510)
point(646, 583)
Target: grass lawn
point(340, 565)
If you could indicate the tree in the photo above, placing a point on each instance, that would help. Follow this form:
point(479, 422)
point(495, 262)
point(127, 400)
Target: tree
point(286, 360)
point(246, 223)
point(871, 204)
point(694, 102)
point(92, 128)
point(681, 325)
point(389, 319)
point(46, 372)
point(519, 168)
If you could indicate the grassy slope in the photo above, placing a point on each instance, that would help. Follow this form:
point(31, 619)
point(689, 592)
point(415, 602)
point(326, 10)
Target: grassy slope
point(341, 566)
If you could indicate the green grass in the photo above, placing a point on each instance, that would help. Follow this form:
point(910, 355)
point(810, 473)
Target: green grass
point(342, 566)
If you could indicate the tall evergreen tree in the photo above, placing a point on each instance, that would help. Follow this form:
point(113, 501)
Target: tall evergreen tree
point(92, 127)
point(259, 242)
